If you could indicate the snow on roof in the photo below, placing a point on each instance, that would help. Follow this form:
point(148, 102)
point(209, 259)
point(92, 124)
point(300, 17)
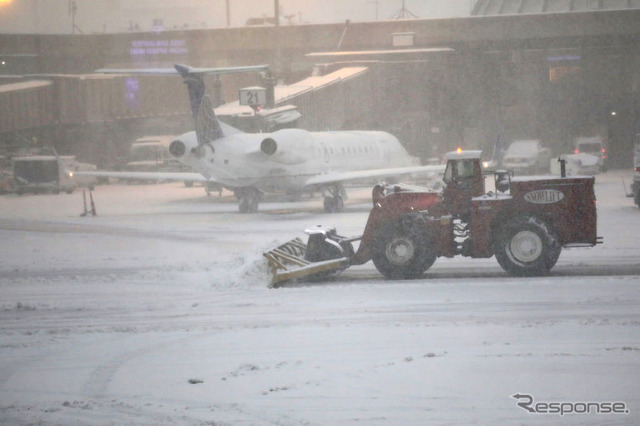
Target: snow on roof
point(524, 7)
point(468, 154)
point(524, 146)
point(380, 52)
point(588, 139)
point(36, 158)
point(23, 85)
point(154, 139)
point(283, 93)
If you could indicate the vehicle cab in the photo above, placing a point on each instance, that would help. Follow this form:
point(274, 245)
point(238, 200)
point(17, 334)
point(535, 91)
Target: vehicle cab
point(463, 180)
point(593, 146)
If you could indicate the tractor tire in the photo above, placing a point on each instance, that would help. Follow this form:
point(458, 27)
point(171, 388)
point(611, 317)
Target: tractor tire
point(402, 249)
point(527, 247)
point(636, 197)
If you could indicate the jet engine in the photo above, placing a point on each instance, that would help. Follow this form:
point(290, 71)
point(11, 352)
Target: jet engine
point(177, 148)
point(184, 144)
point(269, 146)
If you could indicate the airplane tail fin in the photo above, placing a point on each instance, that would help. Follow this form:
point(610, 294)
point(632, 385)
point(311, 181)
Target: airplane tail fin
point(496, 151)
point(208, 128)
point(207, 125)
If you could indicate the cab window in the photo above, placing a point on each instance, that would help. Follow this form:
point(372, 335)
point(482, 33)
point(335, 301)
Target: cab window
point(465, 169)
point(448, 173)
point(459, 170)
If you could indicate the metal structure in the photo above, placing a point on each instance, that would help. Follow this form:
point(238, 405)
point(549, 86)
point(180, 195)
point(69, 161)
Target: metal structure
point(404, 13)
point(511, 7)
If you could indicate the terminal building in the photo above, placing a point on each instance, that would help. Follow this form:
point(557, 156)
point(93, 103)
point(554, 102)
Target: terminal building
point(514, 69)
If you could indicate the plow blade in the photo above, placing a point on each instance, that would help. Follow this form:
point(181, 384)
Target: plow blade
point(287, 262)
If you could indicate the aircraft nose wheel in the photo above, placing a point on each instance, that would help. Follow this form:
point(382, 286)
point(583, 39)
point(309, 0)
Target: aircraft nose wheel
point(334, 199)
point(249, 199)
point(333, 204)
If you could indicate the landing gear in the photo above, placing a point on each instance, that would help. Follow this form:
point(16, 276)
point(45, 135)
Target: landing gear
point(213, 187)
point(334, 199)
point(248, 198)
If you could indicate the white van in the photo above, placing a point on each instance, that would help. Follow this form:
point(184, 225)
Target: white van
point(593, 145)
point(151, 154)
point(41, 173)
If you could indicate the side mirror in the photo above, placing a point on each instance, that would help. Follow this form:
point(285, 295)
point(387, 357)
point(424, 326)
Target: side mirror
point(503, 180)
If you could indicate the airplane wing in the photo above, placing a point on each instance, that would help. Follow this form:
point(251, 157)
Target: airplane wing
point(192, 70)
point(335, 177)
point(177, 176)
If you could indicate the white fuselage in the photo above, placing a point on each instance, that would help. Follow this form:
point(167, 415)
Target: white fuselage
point(284, 160)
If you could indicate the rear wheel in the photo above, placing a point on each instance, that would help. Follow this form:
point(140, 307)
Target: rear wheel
point(527, 247)
point(402, 249)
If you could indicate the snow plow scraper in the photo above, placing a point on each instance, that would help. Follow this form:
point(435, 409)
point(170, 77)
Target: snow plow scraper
point(324, 255)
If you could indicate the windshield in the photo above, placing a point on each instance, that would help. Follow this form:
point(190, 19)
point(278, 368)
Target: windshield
point(523, 148)
point(146, 153)
point(592, 147)
point(36, 171)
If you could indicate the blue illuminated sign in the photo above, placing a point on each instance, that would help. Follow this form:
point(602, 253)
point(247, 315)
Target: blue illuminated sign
point(158, 47)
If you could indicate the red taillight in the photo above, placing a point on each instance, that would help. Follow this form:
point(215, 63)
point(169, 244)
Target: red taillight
point(575, 151)
point(603, 150)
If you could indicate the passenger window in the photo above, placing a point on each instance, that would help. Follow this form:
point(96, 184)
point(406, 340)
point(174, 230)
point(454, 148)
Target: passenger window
point(448, 173)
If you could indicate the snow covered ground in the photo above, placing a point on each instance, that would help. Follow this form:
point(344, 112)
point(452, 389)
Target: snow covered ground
point(157, 311)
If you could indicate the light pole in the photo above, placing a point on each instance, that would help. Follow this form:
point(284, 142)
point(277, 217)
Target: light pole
point(73, 8)
point(278, 59)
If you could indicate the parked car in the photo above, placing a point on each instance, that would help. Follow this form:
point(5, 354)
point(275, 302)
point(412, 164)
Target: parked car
point(527, 156)
point(41, 173)
point(593, 146)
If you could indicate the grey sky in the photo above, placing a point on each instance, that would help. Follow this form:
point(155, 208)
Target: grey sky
point(96, 16)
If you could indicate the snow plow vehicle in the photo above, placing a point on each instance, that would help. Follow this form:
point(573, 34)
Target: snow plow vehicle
point(524, 222)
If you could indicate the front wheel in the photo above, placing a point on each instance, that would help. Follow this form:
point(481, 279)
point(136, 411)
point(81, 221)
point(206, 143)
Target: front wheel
point(527, 247)
point(333, 204)
point(401, 249)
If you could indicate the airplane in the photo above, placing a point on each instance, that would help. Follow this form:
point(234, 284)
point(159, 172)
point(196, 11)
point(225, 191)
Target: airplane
point(292, 161)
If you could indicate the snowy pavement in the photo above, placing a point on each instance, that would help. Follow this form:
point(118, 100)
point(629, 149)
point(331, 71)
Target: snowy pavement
point(157, 311)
